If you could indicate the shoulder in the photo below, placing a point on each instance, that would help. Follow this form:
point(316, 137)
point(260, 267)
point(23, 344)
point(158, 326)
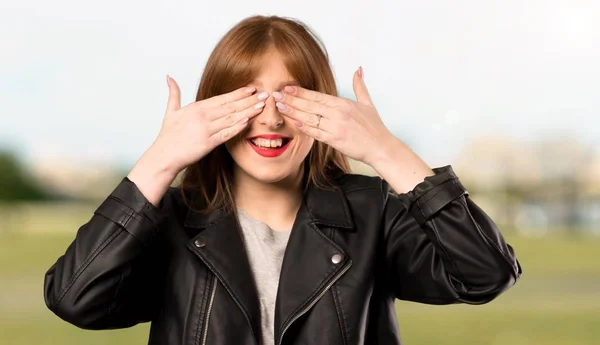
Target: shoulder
point(177, 200)
point(368, 191)
point(356, 183)
point(363, 189)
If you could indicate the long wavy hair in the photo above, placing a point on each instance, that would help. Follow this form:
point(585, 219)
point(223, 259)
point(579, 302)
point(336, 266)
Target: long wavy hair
point(235, 62)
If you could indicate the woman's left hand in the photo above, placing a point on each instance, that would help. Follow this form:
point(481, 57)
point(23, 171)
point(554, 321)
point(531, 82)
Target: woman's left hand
point(353, 128)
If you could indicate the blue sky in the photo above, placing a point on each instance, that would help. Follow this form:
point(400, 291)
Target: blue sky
point(86, 81)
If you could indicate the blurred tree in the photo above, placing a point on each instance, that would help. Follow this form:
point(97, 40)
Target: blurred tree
point(15, 185)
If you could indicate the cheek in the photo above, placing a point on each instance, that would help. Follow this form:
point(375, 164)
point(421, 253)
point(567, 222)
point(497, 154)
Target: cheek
point(235, 147)
point(238, 141)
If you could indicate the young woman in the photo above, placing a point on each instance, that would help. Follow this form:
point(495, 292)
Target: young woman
point(269, 239)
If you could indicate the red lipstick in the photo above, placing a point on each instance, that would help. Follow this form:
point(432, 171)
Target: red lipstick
point(270, 152)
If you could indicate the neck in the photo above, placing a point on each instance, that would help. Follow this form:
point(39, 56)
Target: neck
point(273, 203)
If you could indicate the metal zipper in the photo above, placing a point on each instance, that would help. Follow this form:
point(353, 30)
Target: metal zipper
point(210, 304)
point(201, 256)
point(314, 301)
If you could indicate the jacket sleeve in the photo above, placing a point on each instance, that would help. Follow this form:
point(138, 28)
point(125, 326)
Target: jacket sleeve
point(111, 274)
point(441, 248)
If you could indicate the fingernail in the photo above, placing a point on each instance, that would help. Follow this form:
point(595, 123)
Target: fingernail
point(168, 81)
point(289, 89)
point(298, 123)
point(263, 95)
point(360, 72)
point(249, 89)
point(281, 106)
point(277, 95)
point(259, 105)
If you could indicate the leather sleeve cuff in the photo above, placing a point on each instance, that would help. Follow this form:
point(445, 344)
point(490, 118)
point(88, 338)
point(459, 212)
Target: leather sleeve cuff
point(433, 194)
point(129, 208)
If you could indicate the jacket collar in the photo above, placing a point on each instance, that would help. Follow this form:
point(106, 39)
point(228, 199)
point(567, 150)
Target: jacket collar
point(325, 207)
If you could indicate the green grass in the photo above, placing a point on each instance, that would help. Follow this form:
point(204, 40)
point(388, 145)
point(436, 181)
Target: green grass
point(557, 301)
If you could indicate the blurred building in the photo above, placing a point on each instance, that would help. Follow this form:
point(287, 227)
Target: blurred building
point(535, 186)
point(75, 180)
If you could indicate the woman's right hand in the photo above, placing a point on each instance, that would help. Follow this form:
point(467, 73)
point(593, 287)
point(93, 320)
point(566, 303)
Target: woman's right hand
point(190, 133)
point(187, 134)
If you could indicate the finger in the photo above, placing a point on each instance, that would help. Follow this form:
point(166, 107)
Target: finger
point(315, 96)
point(308, 119)
point(229, 132)
point(360, 88)
point(174, 101)
point(225, 98)
point(239, 105)
point(303, 104)
point(232, 119)
point(316, 133)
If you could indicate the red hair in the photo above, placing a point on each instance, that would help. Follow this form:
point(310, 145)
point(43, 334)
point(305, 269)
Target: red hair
point(235, 62)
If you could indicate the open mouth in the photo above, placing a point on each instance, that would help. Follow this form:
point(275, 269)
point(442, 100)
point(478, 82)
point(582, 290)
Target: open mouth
point(267, 144)
point(269, 147)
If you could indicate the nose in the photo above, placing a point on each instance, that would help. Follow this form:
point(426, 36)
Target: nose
point(270, 116)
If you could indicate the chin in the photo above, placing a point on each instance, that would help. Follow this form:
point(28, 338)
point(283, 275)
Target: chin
point(270, 175)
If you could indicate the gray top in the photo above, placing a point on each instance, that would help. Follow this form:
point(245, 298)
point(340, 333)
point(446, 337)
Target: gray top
point(265, 248)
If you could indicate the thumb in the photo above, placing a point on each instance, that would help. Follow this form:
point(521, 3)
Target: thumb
point(174, 102)
point(360, 89)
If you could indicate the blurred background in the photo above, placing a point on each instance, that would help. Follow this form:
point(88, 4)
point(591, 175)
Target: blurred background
point(506, 92)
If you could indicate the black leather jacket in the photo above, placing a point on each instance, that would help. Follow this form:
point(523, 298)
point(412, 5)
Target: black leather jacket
point(351, 252)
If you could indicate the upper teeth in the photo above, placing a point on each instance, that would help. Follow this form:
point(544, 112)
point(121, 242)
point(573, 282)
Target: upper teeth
point(267, 143)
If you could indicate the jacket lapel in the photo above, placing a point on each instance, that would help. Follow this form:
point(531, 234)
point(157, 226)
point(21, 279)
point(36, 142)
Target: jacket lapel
point(220, 246)
point(312, 261)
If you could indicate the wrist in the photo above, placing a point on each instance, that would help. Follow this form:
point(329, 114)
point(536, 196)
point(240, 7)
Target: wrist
point(390, 152)
point(152, 175)
point(161, 161)
point(400, 166)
